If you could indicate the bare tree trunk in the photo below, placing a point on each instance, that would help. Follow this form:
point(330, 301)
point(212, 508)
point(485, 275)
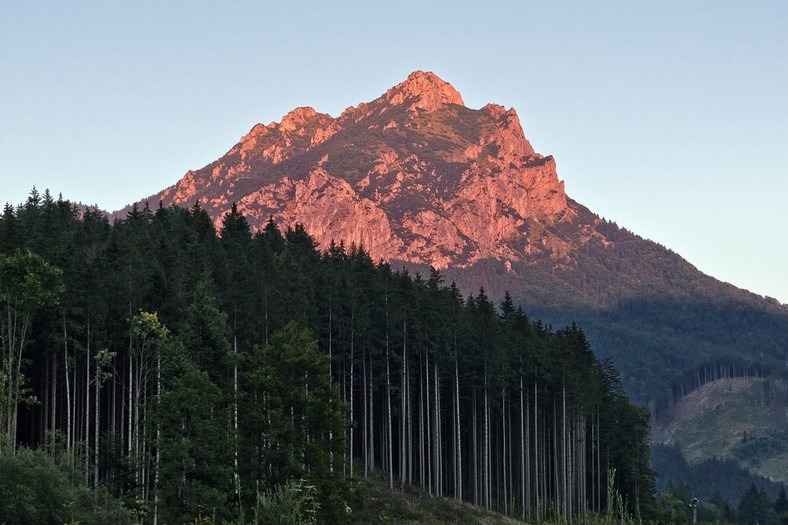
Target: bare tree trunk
point(404, 411)
point(364, 413)
point(457, 429)
point(409, 407)
point(158, 445)
point(97, 408)
point(427, 413)
point(68, 385)
point(53, 393)
point(564, 450)
point(352, 414)
point(503, 452)
point(371, 411)
point(422, 465)
point(537, 482)
point(389, 438)
point(235, 415)
point(87, 405)
point(475, 449)
point(436, 448)
point(487, 481)
point(523, 456)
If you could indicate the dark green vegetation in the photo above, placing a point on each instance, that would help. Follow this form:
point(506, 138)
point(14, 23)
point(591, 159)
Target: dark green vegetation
point(708, 477)
point(753, 506)
point(194, 375)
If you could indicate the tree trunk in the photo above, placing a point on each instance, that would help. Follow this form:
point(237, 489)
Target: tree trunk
point(457, 430)
point(87, 405)
point(404, 411)
point(68, 386)
point(389, 438)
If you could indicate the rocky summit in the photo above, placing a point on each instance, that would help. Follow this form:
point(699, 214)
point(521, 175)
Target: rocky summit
point(413, 176)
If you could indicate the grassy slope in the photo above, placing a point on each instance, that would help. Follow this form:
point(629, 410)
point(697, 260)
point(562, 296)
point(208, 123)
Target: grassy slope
point(413, 506)
point(743, 419)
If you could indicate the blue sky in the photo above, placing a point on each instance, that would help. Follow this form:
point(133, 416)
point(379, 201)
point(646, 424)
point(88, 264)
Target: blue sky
point(670, 118)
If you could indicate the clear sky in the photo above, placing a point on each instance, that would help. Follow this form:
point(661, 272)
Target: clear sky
point(670, 118)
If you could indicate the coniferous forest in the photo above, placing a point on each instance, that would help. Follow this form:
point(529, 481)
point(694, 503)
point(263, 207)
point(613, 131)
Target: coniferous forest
point(157, 370)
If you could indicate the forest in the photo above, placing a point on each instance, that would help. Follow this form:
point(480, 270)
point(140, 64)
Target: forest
point(157, 369)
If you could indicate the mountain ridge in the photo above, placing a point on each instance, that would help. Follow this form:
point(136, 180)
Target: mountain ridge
point(419, 180)
point(418, 177)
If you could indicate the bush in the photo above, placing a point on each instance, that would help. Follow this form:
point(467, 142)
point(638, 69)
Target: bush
point(36, 490)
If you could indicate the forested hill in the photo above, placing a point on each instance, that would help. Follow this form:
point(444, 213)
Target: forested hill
point(186, 371)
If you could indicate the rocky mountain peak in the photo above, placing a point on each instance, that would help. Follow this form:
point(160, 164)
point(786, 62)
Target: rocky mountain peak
point(428, 90)
point(413, 175)
point(297, 118)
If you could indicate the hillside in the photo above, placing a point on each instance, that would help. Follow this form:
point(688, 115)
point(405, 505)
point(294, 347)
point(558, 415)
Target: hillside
point(743, 419)
point(414, 506)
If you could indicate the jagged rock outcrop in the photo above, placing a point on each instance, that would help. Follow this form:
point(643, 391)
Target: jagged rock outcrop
point(413, 176)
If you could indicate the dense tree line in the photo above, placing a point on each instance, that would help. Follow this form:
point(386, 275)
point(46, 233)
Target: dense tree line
point(753, 506)
point(187, 370)
point(723, 476)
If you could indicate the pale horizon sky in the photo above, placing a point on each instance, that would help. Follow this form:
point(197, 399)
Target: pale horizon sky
point(670, 118)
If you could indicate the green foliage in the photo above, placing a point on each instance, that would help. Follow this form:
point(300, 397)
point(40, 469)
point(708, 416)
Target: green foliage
point(297, 413)
point(35, 489)
point(197, 334)
point(195, 459)
point(27, 283)
point(708, 476)
point(755, 507)
point(291, 503)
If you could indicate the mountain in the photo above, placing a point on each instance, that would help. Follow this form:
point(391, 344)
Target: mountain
point(421, 180)
point(412, 176)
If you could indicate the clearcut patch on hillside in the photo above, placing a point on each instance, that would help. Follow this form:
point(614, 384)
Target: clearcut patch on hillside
point(745, 419)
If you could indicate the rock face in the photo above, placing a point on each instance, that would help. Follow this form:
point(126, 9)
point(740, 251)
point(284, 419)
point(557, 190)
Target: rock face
point(413, 176)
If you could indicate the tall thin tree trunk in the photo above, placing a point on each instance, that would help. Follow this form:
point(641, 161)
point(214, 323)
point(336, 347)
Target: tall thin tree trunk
point(403, 412)
point(236, 485)
point(352, 414)
point(475, 448)
point(158, 446)
point(68, 386)
point(487, 482)
point(503, 452)
point(389, 437)
point(564, 451)
point(436, 431)
point(371, 418)
point(53, 393)
point(365, 412)
point(422, 464)
point(427, 431)
point(87, 405)
point(523, 457)
point(96, 418)
point(537, 482)
point(458, 432)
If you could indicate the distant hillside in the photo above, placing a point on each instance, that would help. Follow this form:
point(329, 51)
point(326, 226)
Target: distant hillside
point(738, 419)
